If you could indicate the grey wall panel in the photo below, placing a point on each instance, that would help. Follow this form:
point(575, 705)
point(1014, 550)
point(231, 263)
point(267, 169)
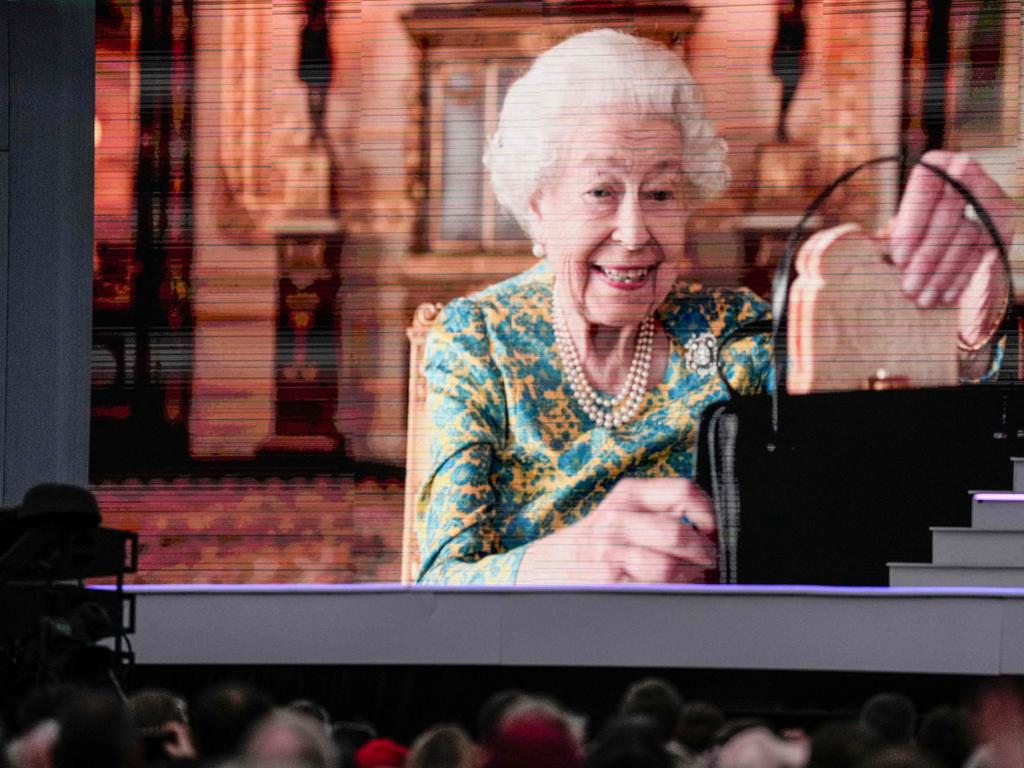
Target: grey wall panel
point(940, 632)
point(840, 632)
point(4, 79)
point(397, 628)
point(51, 54)
point(1013, 638)
point(4, 205)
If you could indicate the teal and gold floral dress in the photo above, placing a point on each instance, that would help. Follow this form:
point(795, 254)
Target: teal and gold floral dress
point(515, 458)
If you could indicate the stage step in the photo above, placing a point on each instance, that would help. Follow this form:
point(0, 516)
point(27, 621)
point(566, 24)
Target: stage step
point(934, 575)
point(976, 546)
point(988, 554)
point(997, 510)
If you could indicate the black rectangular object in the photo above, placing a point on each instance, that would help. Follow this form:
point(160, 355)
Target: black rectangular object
point(24, 606)
point(852, 480)
point(56, 552)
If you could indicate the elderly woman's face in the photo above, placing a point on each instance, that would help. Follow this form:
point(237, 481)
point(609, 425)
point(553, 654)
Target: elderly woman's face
point(613, 219)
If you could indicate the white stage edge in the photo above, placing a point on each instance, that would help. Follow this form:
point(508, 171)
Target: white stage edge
point(918, 630)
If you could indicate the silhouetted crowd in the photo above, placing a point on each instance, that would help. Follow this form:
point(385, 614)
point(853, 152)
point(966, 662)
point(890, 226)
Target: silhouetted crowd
point(235, 725)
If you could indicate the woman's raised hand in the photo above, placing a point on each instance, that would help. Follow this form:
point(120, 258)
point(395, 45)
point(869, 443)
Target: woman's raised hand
point(945, 254)
point(654, 530)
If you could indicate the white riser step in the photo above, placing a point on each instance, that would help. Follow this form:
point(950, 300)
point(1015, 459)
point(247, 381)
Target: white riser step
point(928, 575)
point(1018, 474)
point(973, 546)
point(997, 509)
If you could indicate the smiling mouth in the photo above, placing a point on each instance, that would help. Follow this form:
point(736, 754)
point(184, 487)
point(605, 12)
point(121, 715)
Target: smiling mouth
point(626, 276)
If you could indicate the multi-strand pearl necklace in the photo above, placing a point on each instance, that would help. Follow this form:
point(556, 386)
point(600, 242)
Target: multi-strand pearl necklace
point(607, 411)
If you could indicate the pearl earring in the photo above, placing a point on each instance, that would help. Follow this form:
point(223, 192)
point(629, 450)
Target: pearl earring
point(538, 250)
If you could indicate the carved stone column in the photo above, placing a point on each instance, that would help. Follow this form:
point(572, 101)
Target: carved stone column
point(267, 195)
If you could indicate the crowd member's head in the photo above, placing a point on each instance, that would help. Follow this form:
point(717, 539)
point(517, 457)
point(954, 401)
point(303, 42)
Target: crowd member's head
point(656, 699)
point(381, 753)
point(841, 745)
point(286, 737)
point(733, 727)
point(34, 748)
point(42, 704)
point(537, 732)
point(698, 723)
point(311, 709)
point(946, 737)
point(96, 731)
point(161, 719)
point(891, 717)
point(630, 741)
point(349, 736)
point(35, 726)
point(759, 747)
point(442, 746)
point(489, 717)
point(221, 717)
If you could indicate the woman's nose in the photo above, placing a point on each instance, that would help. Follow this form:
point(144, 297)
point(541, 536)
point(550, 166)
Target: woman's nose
point(630, 229)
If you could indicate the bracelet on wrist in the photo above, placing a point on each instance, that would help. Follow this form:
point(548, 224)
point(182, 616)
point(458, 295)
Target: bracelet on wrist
point(986, 338)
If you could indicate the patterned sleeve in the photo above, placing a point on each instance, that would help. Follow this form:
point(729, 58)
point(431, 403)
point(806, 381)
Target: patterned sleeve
point(454, 509)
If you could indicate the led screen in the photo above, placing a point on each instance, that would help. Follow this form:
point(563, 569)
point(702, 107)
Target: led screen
point(287, 194)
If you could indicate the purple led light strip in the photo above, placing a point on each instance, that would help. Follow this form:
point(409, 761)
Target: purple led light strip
point(663, 589)
point(999, 497)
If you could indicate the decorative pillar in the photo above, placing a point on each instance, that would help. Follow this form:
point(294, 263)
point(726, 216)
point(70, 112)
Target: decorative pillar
point(309, 240)
point(270, 285)
point(306, 357)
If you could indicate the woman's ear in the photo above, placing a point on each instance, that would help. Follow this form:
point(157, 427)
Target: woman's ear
point(536, 212)
point(536, 216)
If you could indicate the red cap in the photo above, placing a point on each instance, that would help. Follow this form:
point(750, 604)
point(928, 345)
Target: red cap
point(535, 741)
point(381, 753)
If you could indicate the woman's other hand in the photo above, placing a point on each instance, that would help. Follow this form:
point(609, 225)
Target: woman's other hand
point(946, 255)
point(656, 530)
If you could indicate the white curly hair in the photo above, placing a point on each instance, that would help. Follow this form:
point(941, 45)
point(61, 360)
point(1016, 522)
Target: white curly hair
point(591, 72)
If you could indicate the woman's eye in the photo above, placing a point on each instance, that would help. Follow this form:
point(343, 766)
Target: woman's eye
point(661, 195)
point(599, 193)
